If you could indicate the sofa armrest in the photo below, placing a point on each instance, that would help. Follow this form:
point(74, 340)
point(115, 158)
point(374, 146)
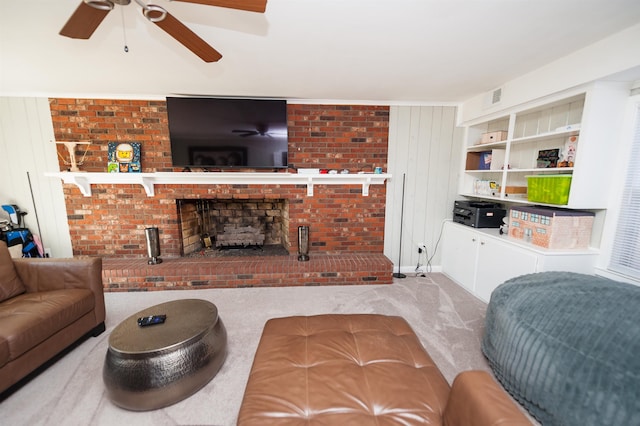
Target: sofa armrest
point(55, 274)
point(477, 399)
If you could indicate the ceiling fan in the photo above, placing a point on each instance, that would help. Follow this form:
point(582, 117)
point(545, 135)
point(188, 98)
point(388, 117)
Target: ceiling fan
point(90, 14)
point(260, 129)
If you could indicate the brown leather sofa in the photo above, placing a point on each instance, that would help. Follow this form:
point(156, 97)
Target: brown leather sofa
point(45, 306)
point(362, 370)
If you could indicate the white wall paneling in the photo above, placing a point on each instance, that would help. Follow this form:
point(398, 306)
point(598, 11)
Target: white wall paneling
point(27, 149)
point(424, 145)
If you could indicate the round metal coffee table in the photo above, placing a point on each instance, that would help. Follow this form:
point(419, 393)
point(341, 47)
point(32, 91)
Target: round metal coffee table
point(151, 367)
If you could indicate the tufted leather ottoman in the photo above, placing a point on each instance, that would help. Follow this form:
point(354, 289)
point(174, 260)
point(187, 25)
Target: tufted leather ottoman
point(342, 369)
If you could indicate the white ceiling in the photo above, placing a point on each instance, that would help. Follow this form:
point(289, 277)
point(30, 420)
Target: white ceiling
point(377, 50)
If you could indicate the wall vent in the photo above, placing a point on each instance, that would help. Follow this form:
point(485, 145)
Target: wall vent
point(496, 96)
point(493, 98)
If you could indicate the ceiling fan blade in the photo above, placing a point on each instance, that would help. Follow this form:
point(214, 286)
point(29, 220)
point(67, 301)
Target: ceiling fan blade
point(84, 21)
point(250, 5)
point(188, 38)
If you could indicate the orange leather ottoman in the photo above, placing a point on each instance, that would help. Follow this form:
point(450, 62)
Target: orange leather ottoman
point(361, 370)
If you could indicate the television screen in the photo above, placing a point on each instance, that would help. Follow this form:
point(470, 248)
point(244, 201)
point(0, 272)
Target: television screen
point(228, 133)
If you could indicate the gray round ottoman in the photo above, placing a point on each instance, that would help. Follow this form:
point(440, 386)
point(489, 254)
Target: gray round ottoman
point(151, 367)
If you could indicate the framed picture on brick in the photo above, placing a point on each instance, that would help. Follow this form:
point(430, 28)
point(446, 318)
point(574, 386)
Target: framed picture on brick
point(124, 157)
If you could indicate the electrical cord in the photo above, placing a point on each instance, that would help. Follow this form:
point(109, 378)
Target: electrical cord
point(435, 248)
point(428, 259)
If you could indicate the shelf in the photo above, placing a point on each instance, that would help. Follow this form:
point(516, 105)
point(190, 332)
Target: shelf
point(483, 171)
point(546, 136)
point(483, 197)
point(84, 180)
point(552, 170)
point(527, 139)
point(512, 199)
point(487, 146)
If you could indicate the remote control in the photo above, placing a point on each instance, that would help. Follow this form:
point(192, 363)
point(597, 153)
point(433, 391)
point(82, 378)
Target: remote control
point(151, 320)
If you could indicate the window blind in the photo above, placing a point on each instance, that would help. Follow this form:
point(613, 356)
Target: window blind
point(625, 256)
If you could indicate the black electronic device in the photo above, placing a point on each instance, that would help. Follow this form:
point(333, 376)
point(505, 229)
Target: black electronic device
point(478, 214)
point(151, 320)
point(226, 133)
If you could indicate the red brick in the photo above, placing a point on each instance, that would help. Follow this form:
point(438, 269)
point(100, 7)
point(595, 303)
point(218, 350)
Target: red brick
point(135, 210)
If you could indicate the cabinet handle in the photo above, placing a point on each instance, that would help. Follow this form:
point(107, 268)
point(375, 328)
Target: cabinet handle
point(473, 239)
point(481, 243)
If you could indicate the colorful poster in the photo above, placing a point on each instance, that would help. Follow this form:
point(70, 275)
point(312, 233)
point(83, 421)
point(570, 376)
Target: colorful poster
point(124, 158)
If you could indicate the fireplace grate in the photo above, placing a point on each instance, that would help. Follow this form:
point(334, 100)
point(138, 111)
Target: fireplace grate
point(265, 250)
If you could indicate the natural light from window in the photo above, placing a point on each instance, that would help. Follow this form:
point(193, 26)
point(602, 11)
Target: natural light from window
point(625, 256)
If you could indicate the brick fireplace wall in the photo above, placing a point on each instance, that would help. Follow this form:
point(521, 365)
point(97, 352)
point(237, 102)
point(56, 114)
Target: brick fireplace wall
point(111, 222)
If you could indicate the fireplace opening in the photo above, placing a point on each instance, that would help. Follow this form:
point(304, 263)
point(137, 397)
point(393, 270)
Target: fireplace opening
point(220, 227)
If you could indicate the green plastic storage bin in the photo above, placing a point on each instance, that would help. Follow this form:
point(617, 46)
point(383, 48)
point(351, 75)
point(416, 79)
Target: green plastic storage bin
point(549, 189)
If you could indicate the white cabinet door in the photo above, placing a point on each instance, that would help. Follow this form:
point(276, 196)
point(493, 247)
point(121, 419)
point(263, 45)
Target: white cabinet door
point(459, 254)
point(480, 260)
point(499, 261)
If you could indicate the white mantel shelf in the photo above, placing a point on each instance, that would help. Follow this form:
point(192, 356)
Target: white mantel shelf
point(84, 180)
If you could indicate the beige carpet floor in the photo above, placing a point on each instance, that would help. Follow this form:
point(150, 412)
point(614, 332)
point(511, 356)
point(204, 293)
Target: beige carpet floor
point(447, 319)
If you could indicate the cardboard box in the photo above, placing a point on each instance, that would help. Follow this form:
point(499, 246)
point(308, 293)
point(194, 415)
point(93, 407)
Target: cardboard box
point(515, 189)
point(493, 137)
point(473, 159)
point(551, 228)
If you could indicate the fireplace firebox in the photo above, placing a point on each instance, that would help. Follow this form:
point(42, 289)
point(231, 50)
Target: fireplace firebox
point(221, 224)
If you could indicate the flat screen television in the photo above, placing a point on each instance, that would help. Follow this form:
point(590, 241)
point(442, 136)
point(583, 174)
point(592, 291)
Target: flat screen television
point(224, 133)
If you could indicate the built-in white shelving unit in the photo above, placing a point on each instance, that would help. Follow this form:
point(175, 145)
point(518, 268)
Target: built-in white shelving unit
point(84, 180)
point(591, 113)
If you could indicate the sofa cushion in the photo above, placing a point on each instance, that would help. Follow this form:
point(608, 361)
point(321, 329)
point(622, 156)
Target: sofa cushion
point(567, 346)
point(31, 318)
point(10, 283)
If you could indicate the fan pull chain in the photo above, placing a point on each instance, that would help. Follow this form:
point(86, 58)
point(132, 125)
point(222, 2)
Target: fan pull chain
point(124, 31)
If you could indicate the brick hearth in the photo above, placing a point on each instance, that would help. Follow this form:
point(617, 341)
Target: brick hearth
point(255, 271)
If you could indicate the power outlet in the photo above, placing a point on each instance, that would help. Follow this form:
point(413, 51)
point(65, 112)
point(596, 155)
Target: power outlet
point(47, 252)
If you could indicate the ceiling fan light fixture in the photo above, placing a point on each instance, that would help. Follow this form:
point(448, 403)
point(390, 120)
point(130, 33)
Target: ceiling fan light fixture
point(154, 13)
point(100, 4)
